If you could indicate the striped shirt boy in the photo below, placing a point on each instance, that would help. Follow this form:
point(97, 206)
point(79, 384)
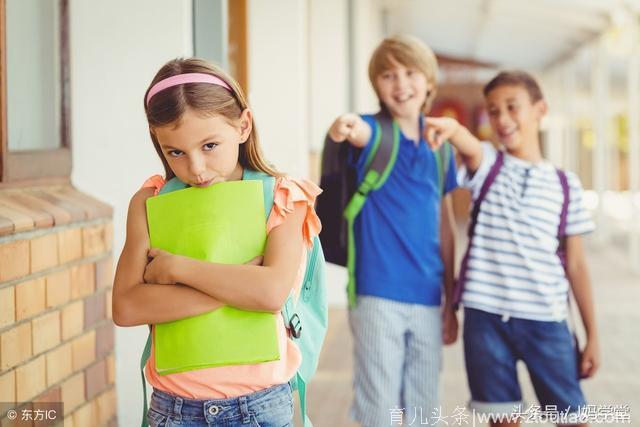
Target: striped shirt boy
point(513, 267)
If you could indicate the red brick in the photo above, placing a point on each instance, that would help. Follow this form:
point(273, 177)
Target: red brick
point(94, 309)
point(72, 320)
point(14, 260)
point(31, 379)
point(15, 346)
point(83, 350)
point(70, 245)
point(83, 280)
point(30, 298)
point(51, 395)
point(8, 387)
point(7, 306)
point(93, 240)
point(104, 340)
point(95, 379)
point(46, 332)
point(59, 364)
point(58, 288)
point(44, 252)
point(73, 392)
point(104, 273)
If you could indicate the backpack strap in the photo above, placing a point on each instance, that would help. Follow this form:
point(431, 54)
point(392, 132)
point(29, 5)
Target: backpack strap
point(562, 227)
point(146, 353)
point(378, 166)
point(491, 177)
point(443, 157)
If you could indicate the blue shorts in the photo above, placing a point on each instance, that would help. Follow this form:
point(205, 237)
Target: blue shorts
point(493, 345)
point(266, 408)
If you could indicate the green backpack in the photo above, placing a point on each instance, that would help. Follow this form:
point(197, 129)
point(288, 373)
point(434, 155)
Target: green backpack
point(343, 197)
point(306, 319)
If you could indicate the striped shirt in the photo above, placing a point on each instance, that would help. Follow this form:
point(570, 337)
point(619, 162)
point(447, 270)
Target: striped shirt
point(513, 268)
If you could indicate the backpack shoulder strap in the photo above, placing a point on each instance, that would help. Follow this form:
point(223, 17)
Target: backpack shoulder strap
point(562, 226)
point(443, 157)
point(491, 177)
point(146, 353)
point(378, 166)
point(268, 184)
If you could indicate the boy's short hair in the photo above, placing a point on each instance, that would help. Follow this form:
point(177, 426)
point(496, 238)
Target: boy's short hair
point(516, 78)
point(410, 52)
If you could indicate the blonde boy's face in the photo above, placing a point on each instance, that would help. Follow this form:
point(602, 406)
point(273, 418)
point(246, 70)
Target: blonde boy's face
point(203, 151)
point(402, 89)
point(514, 118)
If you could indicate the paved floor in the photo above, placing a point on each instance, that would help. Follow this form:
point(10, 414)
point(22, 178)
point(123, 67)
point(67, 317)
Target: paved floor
point(617, 294)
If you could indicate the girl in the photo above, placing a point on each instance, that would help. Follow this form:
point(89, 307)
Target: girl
point(204, 133)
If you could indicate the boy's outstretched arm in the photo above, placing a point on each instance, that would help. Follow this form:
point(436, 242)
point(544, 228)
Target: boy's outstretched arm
point(139, 303)
point(447, 252)
point(352, 128)
point(582, 291)
point(437, 130)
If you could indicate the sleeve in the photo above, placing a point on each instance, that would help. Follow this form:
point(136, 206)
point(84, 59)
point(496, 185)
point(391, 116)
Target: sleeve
point(156, 182)
point(287, 192)
point(451, 181)
point(474, 182)
point(358, 156)
point(578, 217)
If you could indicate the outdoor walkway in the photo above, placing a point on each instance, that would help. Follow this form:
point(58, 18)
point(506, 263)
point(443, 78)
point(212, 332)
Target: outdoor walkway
point(617, 295)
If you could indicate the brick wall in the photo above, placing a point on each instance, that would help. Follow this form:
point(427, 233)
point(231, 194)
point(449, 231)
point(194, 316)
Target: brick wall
point(56, 333)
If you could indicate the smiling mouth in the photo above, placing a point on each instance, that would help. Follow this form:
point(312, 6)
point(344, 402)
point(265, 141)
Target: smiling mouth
point(507, 134)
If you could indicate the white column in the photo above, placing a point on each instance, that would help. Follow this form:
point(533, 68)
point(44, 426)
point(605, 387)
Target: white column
point(634, 154)
point(570, 147)
point(600, 159)
point(278, 34)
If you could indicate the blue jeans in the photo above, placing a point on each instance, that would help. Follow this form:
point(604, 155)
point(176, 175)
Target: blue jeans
point(493, 345)
point(272, 407)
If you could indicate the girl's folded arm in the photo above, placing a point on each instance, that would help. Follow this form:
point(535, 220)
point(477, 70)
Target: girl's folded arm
point(262, 288)
point(139, 303)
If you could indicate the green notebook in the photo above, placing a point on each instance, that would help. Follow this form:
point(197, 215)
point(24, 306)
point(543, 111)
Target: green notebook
point(223, 223)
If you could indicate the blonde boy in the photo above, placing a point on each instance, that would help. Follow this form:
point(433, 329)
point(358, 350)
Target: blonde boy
point(397, 323)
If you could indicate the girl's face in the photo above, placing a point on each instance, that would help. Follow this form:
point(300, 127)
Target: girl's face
point(202, 151)
point(402, 89)
point(514, 118)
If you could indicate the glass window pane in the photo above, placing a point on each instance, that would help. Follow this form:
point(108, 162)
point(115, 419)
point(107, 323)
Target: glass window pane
point(33, 74)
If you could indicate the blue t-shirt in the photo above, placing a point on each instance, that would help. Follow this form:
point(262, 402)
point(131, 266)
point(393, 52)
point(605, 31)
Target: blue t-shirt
point(397, 232)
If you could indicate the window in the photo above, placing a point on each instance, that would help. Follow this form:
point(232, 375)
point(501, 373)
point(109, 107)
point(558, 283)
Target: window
point(34, 91)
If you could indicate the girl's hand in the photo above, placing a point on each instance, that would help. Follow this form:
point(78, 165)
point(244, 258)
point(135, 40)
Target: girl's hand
point(345, 127)
point(160, 270)
point(449, 326)
point(439, 129)
point(590, 361)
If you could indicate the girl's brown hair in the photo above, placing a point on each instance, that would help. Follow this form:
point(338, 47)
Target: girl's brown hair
point(167, 107)
point(410, 52)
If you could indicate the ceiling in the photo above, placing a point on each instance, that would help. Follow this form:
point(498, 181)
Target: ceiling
point(528, 34)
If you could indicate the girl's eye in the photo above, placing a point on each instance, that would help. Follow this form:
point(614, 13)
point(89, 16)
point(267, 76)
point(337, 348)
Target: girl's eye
point(209, 146)
point(410, 73)
point(175, 153)
point(386, 76)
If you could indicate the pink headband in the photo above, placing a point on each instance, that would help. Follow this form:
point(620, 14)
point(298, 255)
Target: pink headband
point(186, 78)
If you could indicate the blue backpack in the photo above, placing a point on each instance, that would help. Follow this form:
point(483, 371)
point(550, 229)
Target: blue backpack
point(306, 319)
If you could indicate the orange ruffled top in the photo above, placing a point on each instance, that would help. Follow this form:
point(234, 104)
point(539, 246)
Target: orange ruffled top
point(233, 381)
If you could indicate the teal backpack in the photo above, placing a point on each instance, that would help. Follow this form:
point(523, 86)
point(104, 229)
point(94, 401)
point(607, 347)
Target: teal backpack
point(306, 319)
